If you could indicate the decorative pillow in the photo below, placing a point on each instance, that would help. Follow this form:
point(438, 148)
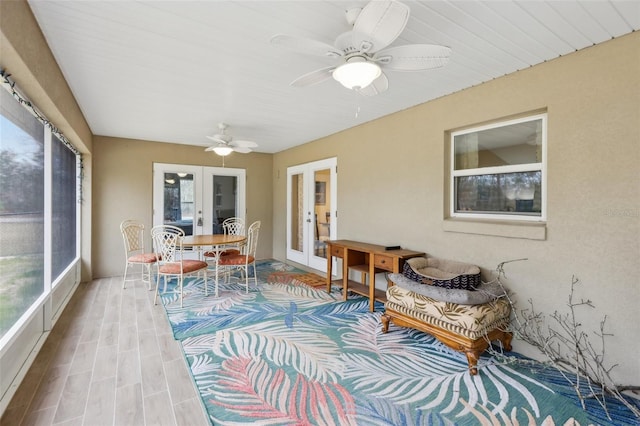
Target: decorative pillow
point(484, 293)
point(442, 273)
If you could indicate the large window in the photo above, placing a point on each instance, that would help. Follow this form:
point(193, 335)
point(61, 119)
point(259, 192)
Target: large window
point(498, 171)
point(38, 210)
point(21, 210)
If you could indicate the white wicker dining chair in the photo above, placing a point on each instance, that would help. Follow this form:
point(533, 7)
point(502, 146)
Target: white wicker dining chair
point(133, 237)
point(230, 226)
point(168, 243)
point(246, 259)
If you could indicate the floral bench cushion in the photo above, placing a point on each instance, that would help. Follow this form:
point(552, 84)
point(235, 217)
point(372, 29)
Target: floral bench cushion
point(472, 321)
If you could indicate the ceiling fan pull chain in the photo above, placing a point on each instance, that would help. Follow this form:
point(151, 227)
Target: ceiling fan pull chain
point(357, 98)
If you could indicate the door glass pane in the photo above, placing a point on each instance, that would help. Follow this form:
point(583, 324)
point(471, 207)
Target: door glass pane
point(21, 210)
point(179, 201)
point(225, 200)
point(322, 211)
point(297, 212)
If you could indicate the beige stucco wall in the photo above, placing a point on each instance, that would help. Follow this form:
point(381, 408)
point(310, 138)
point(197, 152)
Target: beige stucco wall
point(593, 229)
point(122, 188)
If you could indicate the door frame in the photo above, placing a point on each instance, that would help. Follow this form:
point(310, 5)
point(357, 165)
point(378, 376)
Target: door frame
point(203, 192)
point(307, 256)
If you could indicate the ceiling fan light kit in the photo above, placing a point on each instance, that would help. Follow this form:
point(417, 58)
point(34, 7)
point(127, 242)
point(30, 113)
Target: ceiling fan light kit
point(357, 73)
point(222, 149)
point(364, 51)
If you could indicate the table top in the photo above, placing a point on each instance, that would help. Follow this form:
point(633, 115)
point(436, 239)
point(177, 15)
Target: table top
point(212, 239)
point(374, 248)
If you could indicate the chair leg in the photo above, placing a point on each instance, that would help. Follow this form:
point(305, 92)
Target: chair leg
point(206, 286)
point(124, 279)
point(151, 269)
point(255, 275)
point(180, 283)
point(155, 298)
point(217, 276)
point(246, 278)
point(146, 276)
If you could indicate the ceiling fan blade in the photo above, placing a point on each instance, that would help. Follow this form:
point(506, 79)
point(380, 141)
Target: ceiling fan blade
point(305, 45)
point(314, 77)
point(378, 86)
point(242, 149)
point(414, 57)
point(243, 144)
point(216, 138)
point(379, 24)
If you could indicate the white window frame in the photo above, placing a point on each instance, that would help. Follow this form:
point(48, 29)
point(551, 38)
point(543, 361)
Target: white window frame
point(530, 167)
point(20, 345)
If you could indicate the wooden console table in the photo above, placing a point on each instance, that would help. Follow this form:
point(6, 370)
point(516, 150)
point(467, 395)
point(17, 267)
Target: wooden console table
point(368, 259)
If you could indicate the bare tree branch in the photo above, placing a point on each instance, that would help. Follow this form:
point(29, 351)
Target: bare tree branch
point(566, 346)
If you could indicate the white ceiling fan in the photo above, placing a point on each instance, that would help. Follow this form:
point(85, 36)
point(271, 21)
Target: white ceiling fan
point(225, 144)
point(361, 52)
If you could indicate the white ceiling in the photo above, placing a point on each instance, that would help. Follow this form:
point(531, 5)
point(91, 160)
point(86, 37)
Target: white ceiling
point(171, 70)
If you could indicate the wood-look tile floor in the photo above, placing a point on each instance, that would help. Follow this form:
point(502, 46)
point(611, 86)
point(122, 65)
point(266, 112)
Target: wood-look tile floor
point(110, 360)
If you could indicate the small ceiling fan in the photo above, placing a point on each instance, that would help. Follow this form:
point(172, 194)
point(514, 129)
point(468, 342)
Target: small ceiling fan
point(362, 52)
point(225, 144)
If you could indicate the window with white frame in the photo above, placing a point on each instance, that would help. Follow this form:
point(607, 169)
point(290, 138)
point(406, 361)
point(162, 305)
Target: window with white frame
point(39, 218)
point(498, 170)
point(22, 218)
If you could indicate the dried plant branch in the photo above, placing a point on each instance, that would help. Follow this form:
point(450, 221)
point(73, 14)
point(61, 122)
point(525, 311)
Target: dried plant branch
point(567, 347)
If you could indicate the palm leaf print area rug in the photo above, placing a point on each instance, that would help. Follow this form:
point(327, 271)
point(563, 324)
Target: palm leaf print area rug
point(286, 353)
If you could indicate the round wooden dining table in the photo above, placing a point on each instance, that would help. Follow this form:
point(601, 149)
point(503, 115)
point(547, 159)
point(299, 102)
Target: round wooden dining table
point(216, 241)
point(212, 240)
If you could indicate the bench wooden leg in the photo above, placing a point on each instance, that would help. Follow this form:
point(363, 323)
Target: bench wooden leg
point(472, 360)
point(506, 341)
point(385, 322)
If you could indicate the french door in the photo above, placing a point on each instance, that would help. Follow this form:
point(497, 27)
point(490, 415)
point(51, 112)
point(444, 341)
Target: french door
point(197, 199)
point(311, 211)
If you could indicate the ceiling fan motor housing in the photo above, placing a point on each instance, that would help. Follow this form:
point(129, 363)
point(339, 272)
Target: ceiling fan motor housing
point(352, 14)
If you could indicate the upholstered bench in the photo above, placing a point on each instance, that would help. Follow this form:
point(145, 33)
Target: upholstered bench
point(466, 321)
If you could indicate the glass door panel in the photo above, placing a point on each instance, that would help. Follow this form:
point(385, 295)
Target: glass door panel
point(295, 223)
point(322, 204)
point(225, 201)
point(224, 197)
point(176, 199)
point(322, 212)
point(179, 200)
